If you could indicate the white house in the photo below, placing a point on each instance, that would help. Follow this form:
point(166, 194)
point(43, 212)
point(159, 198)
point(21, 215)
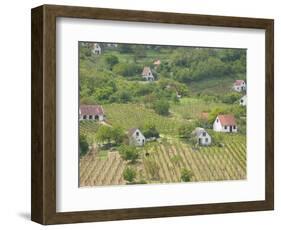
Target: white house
point(243, 100)
point(96, 49)
point(147, 74)
point(225, 123)
point(136, 137)
point(203, 138)
point(239, 85)
point(91, 112)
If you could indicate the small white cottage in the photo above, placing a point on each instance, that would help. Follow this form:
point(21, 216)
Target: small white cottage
point(136, 138)
point(91, 112)
point(203, 138)
point(239, 85)
point(225, 123)
point(96, 49)
point(243, 100)
point(147, 74)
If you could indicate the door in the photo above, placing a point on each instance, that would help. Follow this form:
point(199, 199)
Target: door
point(230, 128)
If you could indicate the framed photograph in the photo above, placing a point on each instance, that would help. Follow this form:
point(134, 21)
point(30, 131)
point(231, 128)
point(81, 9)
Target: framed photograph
point(139, 114)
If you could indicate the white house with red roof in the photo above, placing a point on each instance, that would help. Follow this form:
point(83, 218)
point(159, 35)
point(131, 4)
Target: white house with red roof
point(239, 85)
point(147, 74)
point(91, 112)
point(225, 123)
point(136, 138)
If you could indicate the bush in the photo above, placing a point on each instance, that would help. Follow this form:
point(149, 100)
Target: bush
point(150, 130)
point(129, 174)
point(128, 153)
point(83, 145)
point(186, 175)
point(161, 107)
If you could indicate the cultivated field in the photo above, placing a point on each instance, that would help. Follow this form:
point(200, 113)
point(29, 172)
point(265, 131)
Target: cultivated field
point(206, 163)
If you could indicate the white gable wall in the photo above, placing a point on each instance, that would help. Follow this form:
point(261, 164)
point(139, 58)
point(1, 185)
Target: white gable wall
point(218, 127)
point(137, 138)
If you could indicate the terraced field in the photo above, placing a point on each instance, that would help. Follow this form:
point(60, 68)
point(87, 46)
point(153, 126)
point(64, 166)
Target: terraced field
point(206, 163)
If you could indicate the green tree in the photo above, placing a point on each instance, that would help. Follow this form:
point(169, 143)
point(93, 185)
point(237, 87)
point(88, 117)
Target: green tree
point(149, 130)
point(230, 98)
point(186, 175)
point(161, 107)
point(117, 135)
point(111, 61)
point(185, 131)
point(104, 134)
point(83, 145)
point(128, 153)
point(129, 174)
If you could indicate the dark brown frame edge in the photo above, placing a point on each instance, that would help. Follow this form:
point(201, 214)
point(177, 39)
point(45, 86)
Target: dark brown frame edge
point(43, 159)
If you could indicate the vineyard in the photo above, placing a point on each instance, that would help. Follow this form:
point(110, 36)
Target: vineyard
point(206, 163)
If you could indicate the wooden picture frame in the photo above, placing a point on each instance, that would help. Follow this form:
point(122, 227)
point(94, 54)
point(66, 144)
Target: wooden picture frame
point(43, 205)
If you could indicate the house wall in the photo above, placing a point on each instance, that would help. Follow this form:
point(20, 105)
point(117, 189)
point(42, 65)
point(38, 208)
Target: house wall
point(219, 128)
point(203, 139)
point(137, 140)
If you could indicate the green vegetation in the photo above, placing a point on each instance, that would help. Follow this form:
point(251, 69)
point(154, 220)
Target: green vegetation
point(191, 87)
point(186, 175)
point(83, 145)
point(129, 174)
point(129, 153)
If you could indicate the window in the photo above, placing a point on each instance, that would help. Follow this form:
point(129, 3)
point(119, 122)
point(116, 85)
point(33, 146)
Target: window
point(90, 117)
point(225, 127)
point(204, 134)
point(206, 139)
point(234, 126)
point(84, 117)
point(217, 120)
point(137, 134)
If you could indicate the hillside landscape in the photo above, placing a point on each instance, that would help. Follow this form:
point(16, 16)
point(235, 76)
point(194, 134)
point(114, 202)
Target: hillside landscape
point(167, 96)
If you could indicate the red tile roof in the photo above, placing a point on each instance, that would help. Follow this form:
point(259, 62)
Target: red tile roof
point(91, 110)
point(146, 70)
point(227, 119)
point(239, 82)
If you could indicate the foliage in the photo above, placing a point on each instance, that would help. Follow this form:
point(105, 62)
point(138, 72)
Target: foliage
point(129, 174)
point(230, 98)
point(111, 61)
point(106, 133)
point(149, 130)
point(186, 175)
point(83, 145)
point(161, 107)
point(129, 153)
point(185, 130)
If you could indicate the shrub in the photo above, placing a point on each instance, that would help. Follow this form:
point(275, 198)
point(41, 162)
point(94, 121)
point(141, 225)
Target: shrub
point(186, 175)
point(129, 174)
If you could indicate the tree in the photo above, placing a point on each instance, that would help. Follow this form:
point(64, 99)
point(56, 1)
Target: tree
point(161, 107)
point(215, 112)
point(117, 135)
point(185, 131)
point(230, 98)
point(186, 175)
point(129, 174)
point(83, 145)
point(104, 134)
point(149, 130)
point(129, 153)
point(111, 61)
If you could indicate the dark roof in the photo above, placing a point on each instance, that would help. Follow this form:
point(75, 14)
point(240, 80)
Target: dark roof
point(91, 110)
point(198, 131)
point(131, 131)
point(227, 119)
